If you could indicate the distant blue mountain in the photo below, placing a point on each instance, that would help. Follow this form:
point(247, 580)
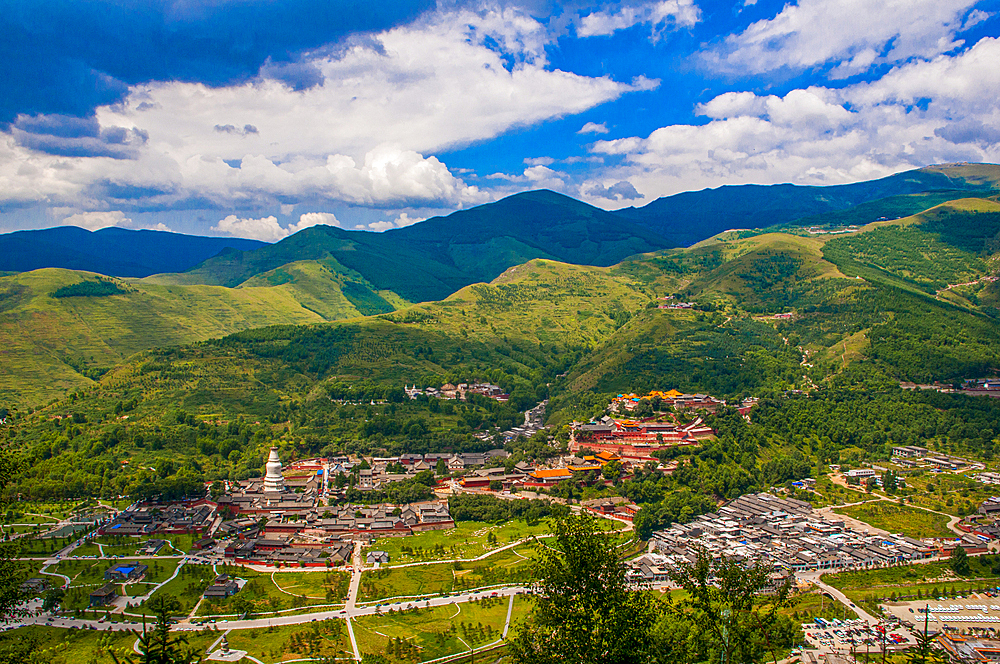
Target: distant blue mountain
point(117, 252)
point(692, 216)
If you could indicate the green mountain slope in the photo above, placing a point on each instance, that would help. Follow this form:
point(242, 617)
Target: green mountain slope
point(53, 344)
point(432, 259)
point(545, 328)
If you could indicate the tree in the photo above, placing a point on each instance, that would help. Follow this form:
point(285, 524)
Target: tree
point(612, 470)
point(53, 598)
point(725, 603)
point(217, 489)
point(496, 485)
point(241, 606)
point(157, 645)
point(924, 652)
point(441, 469)
point(960, 561)
point(586, 611)
point(12, 570)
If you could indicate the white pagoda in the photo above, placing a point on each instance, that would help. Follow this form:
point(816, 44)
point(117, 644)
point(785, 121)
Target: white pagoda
point(273, 480)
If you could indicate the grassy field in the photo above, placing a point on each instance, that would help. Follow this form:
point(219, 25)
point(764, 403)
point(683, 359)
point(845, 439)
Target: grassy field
point(508, 566)
point(902, 519)
point(326, 638)
point(327, 586)
point(469, 539)
point(265, 597)
point(868, 587)
point(426, 633)
point(51, 645)
point(407, 581)
point(187, 586)
point(88, 575)
point(947, 492)
point(91, 572)
point(807, 606)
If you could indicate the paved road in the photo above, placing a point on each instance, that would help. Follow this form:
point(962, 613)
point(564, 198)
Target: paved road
point(254, 623)
point(839, 596)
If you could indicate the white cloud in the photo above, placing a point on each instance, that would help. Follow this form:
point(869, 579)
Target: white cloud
point(402, 220)
point(669, 13)
point(853, 33)
point(314, 219)
point(266, 229)
point(97, 220)
point(593, 128)
point(539, 161)
point(917, 114)
point(364, 136)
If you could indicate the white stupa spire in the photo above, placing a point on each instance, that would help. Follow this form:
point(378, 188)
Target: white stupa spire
point(273, 480)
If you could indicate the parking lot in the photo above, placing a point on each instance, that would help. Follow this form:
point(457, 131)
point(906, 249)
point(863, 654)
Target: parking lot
point(979, 612)
point(855, 635)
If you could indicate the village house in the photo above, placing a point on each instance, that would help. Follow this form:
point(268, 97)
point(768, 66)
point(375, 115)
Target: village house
point(103, 596)
point(126, 573)
point(222, 588)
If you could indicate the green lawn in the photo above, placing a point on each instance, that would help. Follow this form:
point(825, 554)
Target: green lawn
point(64, 646)
point(42, 546)
point(326, 638)
point(868, 587)
point(469, 539)
point(265, 597)
point(91, 572)
point(21, 518)
point(21, 512)
point(947, 492)
point(902, 519)
point(431, 579)
point(328, 585)
point(508, 566)
point(811, 605)
point(427, 633)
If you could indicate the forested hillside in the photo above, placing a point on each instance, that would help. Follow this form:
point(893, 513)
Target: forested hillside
point(838, 319)
point(573, 334)
point(60, 330)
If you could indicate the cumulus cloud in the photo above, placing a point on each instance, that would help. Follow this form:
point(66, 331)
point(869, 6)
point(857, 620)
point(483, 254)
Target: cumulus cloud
point(267, 229)
point(314, 219)
point(852, 33)
point(97, 220)
point(920, 113)
point(593, 128)
point(619, 191)
point(663, 14)
point(360, 126)
point(402, 220)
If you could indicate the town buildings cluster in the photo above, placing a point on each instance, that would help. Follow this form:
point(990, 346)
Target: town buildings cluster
point(787, 533)
point(460, 391)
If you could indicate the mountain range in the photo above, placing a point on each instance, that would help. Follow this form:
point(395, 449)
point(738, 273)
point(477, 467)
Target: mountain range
point(514, 270)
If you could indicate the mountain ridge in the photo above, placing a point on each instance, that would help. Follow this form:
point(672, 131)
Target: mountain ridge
point(118, 252)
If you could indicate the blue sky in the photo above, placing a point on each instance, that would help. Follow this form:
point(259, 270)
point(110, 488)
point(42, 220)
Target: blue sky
point(259, 118)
